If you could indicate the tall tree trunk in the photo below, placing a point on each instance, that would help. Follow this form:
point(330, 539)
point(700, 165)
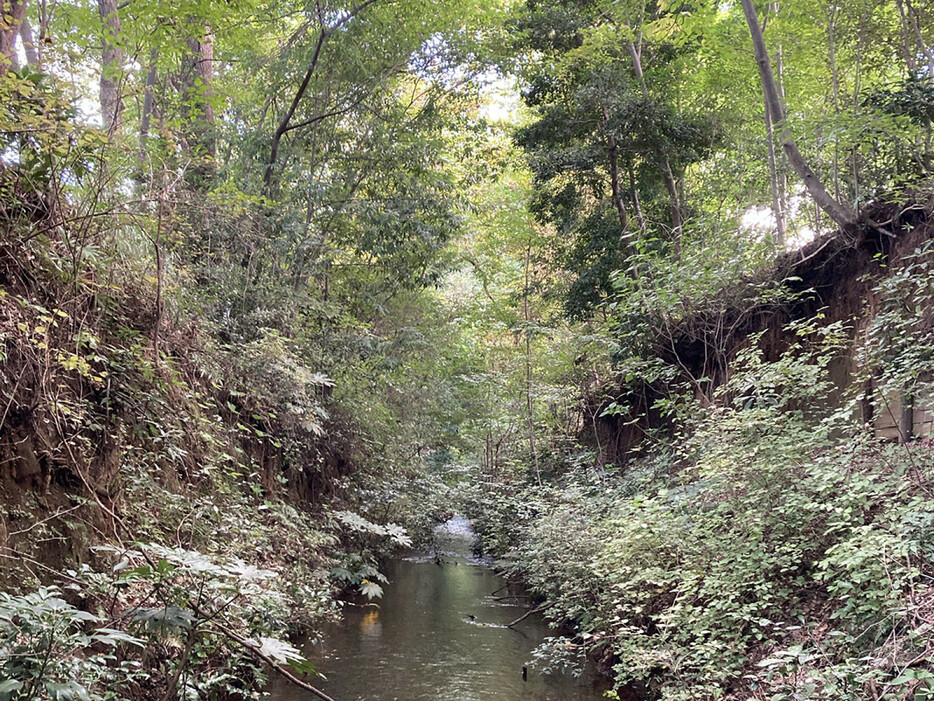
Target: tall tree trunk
point(775, 183)
point(142, 177)
point(111, 67)
point(12, 13)
point(907, 24)
point(635, 197)
point(205, 74)
point(832, 45)
point(674, 198)
point(527, 313)
point(857, 85)
point(29, 44)
point(671, 185)
point(906, 38)
point(782, 171)
point(843, 215)
point(148, 98)
point(197, 79)
point(777, 209)
point(615, 188)
point(906, 419)
point(922, 44)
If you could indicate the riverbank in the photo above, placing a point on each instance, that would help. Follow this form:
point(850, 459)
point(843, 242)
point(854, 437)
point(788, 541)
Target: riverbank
point(742, 562)
point(747, 513)
point(185, 501)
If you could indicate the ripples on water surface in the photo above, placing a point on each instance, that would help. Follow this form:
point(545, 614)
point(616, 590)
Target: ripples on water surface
point(421, 643)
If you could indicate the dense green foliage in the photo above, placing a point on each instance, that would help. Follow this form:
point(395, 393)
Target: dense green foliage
point(758, 544)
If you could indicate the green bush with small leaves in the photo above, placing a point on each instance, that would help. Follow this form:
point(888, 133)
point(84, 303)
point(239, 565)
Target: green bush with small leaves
point(771, 547)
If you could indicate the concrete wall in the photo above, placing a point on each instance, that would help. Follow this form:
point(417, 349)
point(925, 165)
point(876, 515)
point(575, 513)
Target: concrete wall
point(889, 413)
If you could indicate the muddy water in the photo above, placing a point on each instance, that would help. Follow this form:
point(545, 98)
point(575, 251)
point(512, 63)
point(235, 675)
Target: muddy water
point(438, 634)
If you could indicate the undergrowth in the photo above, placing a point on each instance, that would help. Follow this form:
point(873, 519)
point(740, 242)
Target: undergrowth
point(768, 547)
point(178, 503)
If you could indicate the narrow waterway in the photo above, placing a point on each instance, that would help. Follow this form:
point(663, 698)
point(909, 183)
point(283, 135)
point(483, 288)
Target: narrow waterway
point(439, 633)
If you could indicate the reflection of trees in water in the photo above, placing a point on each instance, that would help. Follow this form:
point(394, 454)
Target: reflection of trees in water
point(370, 625)
point(419, 642)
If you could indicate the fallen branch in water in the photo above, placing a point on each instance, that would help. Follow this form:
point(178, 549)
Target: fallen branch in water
point(529, 613)
point(505, 586)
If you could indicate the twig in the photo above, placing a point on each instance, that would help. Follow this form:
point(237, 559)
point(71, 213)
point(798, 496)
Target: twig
point(247, 645)
point(529, 613)
point(23, 557)
point(57, 514)
point(505, 586)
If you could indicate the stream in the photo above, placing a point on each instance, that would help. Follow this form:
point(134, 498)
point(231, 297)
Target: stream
point(438, 633)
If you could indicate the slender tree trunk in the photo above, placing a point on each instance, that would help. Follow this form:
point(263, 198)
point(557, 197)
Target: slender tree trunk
point(843, 215)
point(198, 112)
point(206, 75)
point(615, 185)
point(906, 419)
point(635, 197)
point(12, 13)
point(312, 170)
point(907, 24)
point(867, 409)
point(616, 189)
point(636, 53)
point(778, 204)
point(832, 45)
point(671, 185)
point(160, 272)
point(777, 209)
point(907, 48)
point(782, 171)
point(857, 78)
point(922, 44)
point(674, 201)
point(527, 312)
point(111, 67)
point(29, 44)
point(146, 114)
point(197, 77)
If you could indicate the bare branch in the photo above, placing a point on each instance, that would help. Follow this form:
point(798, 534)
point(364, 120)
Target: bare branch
point(529, 613)
point(254, 650)
point(283, 127)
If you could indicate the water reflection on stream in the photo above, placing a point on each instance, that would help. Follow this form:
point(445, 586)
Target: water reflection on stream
point(437, 634)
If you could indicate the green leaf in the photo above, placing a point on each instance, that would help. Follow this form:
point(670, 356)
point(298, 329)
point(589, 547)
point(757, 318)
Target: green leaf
point(279, 650)
point(371, 590)
point(168, 618)
point(110, 636)
point(68, 691)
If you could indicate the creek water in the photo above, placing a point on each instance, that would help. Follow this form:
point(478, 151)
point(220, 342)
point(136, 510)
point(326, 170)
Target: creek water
point(438, 633)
